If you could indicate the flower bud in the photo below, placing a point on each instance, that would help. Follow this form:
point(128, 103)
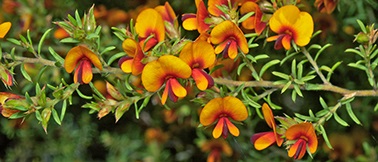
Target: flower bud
point(362, 38)
point(46, 113)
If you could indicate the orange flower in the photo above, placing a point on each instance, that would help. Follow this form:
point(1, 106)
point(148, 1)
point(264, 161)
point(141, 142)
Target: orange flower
point(221, 111)
point(326, 6)
point(266, 139)
point(253, 22)
point(132, 63)
point(150, 28)
point(291, 24)
point(80, 57)
point(4, 28)
point(199, 55)
point(167, 69)
point(215, 4)
point(5, 96)
point(197, 21)
point(170, 17)
point(304, 137)
point(229, 38)
point(216, 147)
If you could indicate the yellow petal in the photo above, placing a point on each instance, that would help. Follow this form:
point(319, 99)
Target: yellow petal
point(211, 111)
point(227, 30)
point(72, 58)
point(148, 22)
point(4, 28)
point(303, 130)
point(91, 56)
point(304, 28)
point(268, 115)
point(235, 108)
point(130, 46)
point(189, 22)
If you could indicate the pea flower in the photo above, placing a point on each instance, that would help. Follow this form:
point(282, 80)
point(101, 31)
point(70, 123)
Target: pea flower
point(303, 137)
point(229, 38)
point(133, 62)
point(150, 28)
point(216, 147)
point(4, 97)
point(265, 139)
point(222, 111)
point(4, 28)
point(166, 69)
point(197, 21)
point(81, 58)
point(291, 25)
point(326, 6)
point(199, 55)
point(254, 22)
point(169, 16)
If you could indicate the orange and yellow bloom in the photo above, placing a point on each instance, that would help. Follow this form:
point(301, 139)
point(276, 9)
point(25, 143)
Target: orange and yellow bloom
point(229, 38)
point(150, 28)
point(4, 97)
point(133, 62)
point(253, 22)
point(303, 137)
point(4, 28)
point(222, 111)
point(166, 69)
point(197, 21)
point(265, 139)
point(81, 58)
point(216, 147)
point(169, 16)
point(199, 55)
point(326, 6)
point(291, 25)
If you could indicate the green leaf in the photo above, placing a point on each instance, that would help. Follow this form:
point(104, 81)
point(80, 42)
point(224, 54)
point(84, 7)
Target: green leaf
point(17, 115)
point(115, 57)
point(351, 114)
point(40, 73)
point(42, 40)
point(357, 66)
point(14, 41)
point(63, 111)
point(107, 49)
point(339, 120)
point(69, 40)
point(333, 69)
point(294, 68)
point(78, 19)
point(308, 78)
point(38, 115)
point(82, 95)
point(281, 75)
point(284, 88)
point(24, 73)
point(323, 103)
point(98, 93)
point(355, 52)
point(268, 65)
point(245, 17)
point(321, 50)
point(362, 26)
point(314, 46)
point(56, 117)
point(325, 137)
point(288, 57)
point(298, 90)
point(240, 67)
point(376, 107)
point(56, 56)
point(321, 113)
point(303, 117)
point(72, 20)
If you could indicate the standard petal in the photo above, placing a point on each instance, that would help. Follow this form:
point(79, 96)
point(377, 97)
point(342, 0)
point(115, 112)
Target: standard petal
point(91, 56)
point(174, 66)
point(234, 108)
point(150, 21)
point(4, 28)
point(211, 111)
point(72, 58)
point(153, 76)
point(304, 27)
point(203, 54)
point(130, 46)
point(263, 140)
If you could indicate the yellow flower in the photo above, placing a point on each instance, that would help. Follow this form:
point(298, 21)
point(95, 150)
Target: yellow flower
point(291, 25)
